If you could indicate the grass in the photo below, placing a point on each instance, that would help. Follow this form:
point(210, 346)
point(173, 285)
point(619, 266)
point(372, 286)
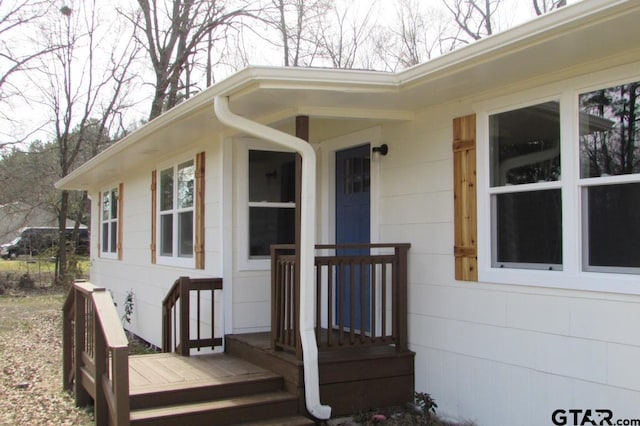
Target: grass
point(29, 266)
point(37, 272)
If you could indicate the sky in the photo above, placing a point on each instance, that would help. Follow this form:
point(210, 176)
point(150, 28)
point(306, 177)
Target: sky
point(513, 12)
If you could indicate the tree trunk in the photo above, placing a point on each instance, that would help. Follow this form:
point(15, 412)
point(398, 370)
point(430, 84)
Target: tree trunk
point(61, 261)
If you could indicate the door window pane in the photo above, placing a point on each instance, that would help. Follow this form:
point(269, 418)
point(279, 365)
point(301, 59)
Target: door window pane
point(528, 229)
point(525, 145)
point(357, 174)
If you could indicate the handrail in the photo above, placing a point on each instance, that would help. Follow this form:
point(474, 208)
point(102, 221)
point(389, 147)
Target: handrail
point(361, 298)
point(176, 315)
point(95, 354)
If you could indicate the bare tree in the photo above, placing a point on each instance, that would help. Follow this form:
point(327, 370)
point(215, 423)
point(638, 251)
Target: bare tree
point(172, 31)
point(344, 32)
point(18, 54)
point(298, 24)
point(417, 34)
point(84, 85)
point(474, 17)
point(543, 6)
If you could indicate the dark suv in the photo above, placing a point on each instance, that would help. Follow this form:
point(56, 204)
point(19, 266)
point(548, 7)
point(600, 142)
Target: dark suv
point(35, 241)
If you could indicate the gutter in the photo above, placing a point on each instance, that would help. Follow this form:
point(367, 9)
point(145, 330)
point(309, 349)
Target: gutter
point(307, 244)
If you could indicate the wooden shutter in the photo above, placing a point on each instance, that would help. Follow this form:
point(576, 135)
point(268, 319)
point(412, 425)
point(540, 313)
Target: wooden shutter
point(120, 220)
point(199, 213)
point(464, 194)
point(153, 215)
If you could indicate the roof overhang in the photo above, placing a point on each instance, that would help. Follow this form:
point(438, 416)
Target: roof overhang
point(589, 35)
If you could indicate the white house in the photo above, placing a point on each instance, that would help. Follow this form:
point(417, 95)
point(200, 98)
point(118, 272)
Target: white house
point(523, 288)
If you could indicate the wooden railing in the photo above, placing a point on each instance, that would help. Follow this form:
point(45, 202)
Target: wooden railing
point(95, 354)
point(176, 315)
point(361, 296)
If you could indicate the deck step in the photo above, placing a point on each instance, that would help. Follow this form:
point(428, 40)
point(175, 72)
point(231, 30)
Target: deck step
point(203, 392)
point(282, 421)
point(229, 411)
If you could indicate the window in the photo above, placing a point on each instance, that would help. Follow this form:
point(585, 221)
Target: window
point(271, 201)
point(110, 221)
point(561, 183)
point(526, 204)
point(609, 123)
point(176, 210)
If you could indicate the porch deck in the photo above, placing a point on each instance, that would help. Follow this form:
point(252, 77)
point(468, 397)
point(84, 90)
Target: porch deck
point(251, 382)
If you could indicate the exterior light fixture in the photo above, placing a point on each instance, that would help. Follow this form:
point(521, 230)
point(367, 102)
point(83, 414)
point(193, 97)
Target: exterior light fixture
point(382, 149)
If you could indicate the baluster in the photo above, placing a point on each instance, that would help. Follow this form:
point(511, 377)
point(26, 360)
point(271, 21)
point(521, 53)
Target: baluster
point(198, 317)
point(374, 305)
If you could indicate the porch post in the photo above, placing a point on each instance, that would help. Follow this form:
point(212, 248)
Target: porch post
point(302, 132)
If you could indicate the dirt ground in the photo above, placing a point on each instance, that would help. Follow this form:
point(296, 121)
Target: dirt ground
point(30, 362)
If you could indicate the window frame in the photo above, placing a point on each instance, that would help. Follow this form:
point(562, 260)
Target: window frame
point(497, 190)
point(175, 259)
point(112, 252)
point(575, 274)
point(245, 261)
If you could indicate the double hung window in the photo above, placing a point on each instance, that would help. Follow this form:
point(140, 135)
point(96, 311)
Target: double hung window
point(176, 210)
point(609, 140)
point(526, 204)
point(563, 178)
point(109, 216)
point(271, 201)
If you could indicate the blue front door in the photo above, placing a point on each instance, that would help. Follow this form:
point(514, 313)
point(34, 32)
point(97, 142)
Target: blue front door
point(353, 225)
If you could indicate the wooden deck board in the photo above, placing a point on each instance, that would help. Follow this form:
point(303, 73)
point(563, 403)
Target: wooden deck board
point(152, 373)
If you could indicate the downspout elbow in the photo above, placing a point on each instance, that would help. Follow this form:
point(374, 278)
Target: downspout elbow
point(307, 244)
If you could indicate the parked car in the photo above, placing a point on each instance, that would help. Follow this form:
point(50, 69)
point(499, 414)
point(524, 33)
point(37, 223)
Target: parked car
point(35, 241)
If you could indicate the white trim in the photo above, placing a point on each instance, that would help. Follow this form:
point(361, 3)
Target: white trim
point(573, 274)
point(227, 165)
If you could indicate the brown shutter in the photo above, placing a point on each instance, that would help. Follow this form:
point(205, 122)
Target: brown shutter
point(98, 246)
point(153, 216)
point(464, 194)
point(199, 246)
point(120, 220)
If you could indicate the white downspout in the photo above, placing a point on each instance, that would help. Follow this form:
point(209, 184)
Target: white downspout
point(307, 244)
